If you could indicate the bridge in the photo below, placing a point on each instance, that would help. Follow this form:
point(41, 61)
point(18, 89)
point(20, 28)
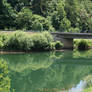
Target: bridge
point(67, 38)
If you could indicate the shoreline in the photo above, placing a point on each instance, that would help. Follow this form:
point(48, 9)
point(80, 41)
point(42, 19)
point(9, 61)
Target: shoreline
point(25, 52)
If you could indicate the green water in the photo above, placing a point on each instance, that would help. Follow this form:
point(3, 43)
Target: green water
point(49, 71)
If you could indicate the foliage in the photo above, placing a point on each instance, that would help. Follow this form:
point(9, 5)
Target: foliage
point(59, 15)
point(77, 41)
point(7, 15)
point(42, 41)
point(88, 89)
point(41, 23)
point(65, 25)
point(58, 45)
point(24, 19)
point(4, 79)
point(19, 41)
point(24, 42)
point(3, 38)
point(83, 45)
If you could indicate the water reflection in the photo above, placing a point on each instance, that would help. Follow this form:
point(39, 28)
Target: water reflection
point(79, 88)
point(49, 71)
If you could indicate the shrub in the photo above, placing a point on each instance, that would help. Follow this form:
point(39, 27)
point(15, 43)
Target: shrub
point(19, 41)
point(83, 45)
point(42, 41)
point(4, 79)
point(3, 38)
point(24, 42)
point(58, 45)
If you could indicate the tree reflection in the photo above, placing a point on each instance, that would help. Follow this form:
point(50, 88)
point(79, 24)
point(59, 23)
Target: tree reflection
point(46, 72)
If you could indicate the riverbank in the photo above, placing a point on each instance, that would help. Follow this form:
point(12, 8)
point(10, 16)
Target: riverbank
point(19, 41)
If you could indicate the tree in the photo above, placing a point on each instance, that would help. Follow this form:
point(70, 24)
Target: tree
point(6, 14)
point(59, 19)
point(24, 19)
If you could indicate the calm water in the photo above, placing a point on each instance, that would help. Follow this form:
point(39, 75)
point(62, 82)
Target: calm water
point(50, 71)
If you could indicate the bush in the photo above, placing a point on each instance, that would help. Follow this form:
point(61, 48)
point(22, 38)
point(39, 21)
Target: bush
point(58, 45)
point(19, 41)
point(3, 38)
point(22, 41)
point(83, 45)
point(42, 41)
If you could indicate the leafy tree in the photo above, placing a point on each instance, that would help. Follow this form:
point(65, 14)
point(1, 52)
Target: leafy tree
point(7, 14)
point(64, 15)
point(41, 23)
point(24, 19)
point(59, 19)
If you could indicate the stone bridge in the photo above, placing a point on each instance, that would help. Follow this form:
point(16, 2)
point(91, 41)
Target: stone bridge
point(67, 38)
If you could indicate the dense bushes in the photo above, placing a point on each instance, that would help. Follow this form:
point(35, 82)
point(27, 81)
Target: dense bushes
point(42, 41)
point(3, 38)
point(22, 41)
point(18, 41)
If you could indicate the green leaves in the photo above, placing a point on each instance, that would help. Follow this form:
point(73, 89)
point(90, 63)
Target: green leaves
point(62, 15)
point(4, 79)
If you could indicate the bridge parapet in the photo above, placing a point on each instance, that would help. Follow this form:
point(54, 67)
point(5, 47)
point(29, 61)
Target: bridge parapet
point(73, 35)
point(67, 38)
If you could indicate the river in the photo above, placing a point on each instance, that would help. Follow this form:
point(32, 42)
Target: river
point(60, 71)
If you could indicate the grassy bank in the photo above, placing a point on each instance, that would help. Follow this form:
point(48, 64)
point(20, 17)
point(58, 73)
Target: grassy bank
point(22, 41)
